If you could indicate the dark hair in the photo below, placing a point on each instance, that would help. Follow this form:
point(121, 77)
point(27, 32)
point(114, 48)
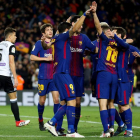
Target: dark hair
point(121, 31)
point(44, 26)
point(74, 18)
point(63, 26)
point(105, 27)
point(8, 31)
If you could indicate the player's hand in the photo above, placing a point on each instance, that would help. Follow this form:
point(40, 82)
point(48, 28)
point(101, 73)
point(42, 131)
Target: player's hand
point(68, 20)
point(96, 50)
point(49, 58)
point(88, 11)
point(93, 7)
point(15, 83)
point(43, 38)
point(136, 54)
point(129, 41)
point(112, 34)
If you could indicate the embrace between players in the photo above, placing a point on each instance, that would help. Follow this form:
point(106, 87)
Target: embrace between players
point(61, 72)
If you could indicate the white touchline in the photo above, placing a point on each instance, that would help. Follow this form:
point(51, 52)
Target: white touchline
point(64, 119)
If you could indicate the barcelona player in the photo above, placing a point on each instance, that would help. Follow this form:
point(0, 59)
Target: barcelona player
point(45, 82)
point(106, 84)
point(62, 78)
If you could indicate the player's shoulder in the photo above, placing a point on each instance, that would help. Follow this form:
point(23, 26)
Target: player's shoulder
point(83, 35)
point(7, 43)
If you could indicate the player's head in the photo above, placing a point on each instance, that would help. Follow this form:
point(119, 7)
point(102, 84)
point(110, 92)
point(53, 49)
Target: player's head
point(47, 30)
point(64, 27)
point(73, 20)
point(10, 34)
point(120, 32)
point(107, 30)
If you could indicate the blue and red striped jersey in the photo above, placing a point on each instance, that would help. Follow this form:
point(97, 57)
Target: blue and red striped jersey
point(78, 45)
point(62, 53)
point(45, 67)
point(94, 57)
point(107, 55)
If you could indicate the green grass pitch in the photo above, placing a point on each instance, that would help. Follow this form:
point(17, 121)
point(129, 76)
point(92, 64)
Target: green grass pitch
point(89, 126)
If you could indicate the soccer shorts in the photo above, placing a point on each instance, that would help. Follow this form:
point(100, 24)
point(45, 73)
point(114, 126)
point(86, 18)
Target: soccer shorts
point(106, 85)
point(65, 86)
point(123, 93)
point(79, 85)
point(93, 84)
point(7, 83)
point(45, 86)
point(131, 78)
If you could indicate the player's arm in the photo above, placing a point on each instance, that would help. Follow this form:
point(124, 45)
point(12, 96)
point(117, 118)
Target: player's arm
point(79, 23)
point(44, 44)
point(120, 42)
point(12, 64)
point(36, 58)
point(135, 51)
point(129, 41)
point(96, 20)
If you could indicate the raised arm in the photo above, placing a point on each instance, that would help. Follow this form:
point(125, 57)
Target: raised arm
point(79, 23)
point(96, 20)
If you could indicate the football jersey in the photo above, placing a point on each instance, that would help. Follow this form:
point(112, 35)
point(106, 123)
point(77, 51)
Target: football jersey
point(94, 56)
point(6, 48)
point(62, 53)
point(78, 44)
point(45, 67)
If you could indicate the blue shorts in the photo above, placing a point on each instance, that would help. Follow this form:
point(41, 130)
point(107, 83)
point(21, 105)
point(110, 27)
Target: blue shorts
point(123, 94)
point(106, 85)
point(131, 78)
point(93, 84)
point(79, 85)
point(45, 86)
point(65, 86)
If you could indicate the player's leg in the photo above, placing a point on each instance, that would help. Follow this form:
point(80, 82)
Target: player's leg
point(8, 87)
point(41, 107)
point(102, 92)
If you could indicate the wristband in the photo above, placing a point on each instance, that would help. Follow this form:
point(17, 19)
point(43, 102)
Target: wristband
point(84, 14)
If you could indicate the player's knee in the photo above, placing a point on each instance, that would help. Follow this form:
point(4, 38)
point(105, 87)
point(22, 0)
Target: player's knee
point(42, 103)
point(124, 107)
point(56, 100)
point(71, 101)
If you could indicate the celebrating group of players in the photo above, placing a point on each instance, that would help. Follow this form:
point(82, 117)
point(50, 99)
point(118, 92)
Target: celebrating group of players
point(61, 71)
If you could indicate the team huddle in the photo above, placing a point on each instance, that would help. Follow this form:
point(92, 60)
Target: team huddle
point(61, 72)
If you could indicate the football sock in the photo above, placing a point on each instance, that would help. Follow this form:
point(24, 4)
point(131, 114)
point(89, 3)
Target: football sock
point(59, 114)
point(118, 119)
point(122, 116)
point(128, 119)
point(70, 118)
point(40, 112)
point(15, 109)
point(104, 118)
point(55, 108)
point(77, 116)
point(59, 122)
point(111, 113)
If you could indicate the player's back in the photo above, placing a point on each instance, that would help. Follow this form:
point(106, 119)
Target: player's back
point(4, 57)
point(107, 55)
point(62, 53)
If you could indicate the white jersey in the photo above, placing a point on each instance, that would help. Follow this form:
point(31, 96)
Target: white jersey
point(6, 48)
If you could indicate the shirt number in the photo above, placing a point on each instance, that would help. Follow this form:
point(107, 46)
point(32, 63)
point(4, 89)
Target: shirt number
point(112, 54)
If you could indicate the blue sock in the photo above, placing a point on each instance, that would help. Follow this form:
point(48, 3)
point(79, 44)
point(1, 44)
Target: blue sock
point(111, 114)
point(128, 119)
point(40, 112)
point(118, 118)
point(58, 115)
point(60, 121)
point(122, 116)
point(77, 116)
point(55, 108)
point(70, 118)
point(104, 118)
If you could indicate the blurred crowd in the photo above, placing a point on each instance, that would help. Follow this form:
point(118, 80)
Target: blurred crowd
point(28, 15)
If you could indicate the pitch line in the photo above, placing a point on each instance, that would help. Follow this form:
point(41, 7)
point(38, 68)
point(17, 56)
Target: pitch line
point(63, 119)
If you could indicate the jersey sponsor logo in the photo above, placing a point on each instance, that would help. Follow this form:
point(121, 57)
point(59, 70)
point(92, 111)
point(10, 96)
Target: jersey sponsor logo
point(46, 55)
point(112, 43)
point(76, 49)
point(2, 64)
point(80, 43)
point(13, 50)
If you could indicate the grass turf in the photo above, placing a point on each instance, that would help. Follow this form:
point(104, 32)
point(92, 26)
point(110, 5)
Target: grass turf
point(90, 125)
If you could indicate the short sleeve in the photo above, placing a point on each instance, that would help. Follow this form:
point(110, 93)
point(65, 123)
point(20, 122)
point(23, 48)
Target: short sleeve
point(12, 50)
point(36, 48)
point(88, 43)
